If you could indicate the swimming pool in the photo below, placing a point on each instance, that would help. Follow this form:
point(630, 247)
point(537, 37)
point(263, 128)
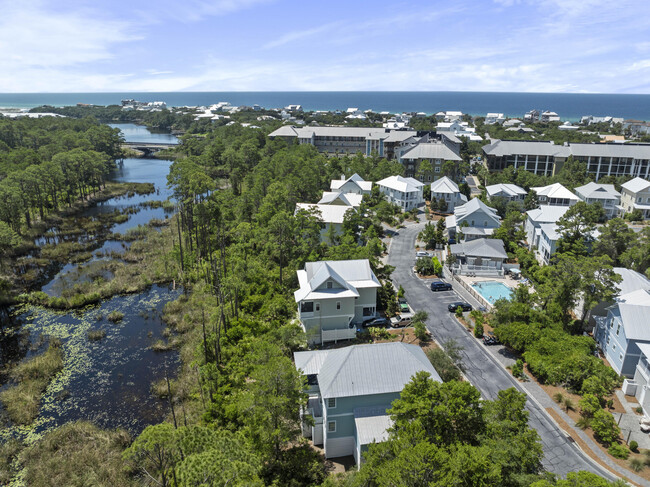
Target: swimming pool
point(492, 290)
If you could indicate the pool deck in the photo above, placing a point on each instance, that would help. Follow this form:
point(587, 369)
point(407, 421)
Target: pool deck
point(467, 282)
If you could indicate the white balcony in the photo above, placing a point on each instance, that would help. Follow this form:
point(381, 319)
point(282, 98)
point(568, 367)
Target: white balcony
point(338, 334)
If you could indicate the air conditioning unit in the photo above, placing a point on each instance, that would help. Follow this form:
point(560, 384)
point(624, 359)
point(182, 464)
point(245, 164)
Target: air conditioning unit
point(629, 387)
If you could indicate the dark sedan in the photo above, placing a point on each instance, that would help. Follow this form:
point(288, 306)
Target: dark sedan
point(440, 286)
point(376, 322)
point(464, 306)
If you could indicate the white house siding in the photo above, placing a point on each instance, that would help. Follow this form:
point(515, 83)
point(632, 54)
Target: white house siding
point(367, 299)
point(328, 317)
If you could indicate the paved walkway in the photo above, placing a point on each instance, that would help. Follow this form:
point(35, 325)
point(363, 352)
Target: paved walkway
point(504, 358)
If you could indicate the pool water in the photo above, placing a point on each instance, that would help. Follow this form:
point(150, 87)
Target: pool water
point(492, 290)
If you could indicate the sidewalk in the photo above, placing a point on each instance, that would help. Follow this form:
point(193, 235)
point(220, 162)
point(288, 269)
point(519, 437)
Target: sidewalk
point(534, 391)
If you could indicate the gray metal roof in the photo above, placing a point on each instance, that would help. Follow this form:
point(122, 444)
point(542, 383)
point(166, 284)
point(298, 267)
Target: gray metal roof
point(506, 188)
point(597, 191)
point(507, 147)
point(372, 424)
point(481, 247)
point(636, 185)
point(310, 362)
point(380, 368)
point(444, 185)
point(472, 206)
point(432, 150)
point(547, 213)
point(634, 310)
point(632, 280)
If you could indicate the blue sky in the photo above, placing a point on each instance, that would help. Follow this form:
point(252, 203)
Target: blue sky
point(285, 45)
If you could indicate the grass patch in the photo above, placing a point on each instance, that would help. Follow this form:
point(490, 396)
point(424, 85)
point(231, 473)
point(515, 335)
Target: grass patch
point(78, 453)
point(115, 316)
point(22, 401)
point(96, 335)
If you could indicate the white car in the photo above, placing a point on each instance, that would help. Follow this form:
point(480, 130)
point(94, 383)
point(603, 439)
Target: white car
point(421, 253)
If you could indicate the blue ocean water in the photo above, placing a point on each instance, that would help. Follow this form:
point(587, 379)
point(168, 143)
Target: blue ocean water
point(570, 106)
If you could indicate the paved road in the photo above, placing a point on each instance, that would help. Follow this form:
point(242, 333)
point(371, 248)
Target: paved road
point(560, 455)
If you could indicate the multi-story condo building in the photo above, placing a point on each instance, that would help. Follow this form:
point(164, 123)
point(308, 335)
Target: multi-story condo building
point(346, 140)
point(635, 195)
point(605, 194)
point(547, 158)
point(403, 192)
point(434, 152)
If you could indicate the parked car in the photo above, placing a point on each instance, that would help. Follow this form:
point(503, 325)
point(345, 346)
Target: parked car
point(381, 321)
point(465, 306)
point(440, 286)
point(403, 305)
point(419, 254)
point(401, 320)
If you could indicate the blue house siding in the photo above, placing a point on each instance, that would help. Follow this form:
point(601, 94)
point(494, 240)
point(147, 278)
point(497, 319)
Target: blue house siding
point(343, 413)
point(614, 345)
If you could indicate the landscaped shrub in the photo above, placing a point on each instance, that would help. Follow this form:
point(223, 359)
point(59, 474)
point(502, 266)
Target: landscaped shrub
point(518, 368)
point(636, 465)
point(588, 405)
point(618, 451)
point(558, 397)
point(634, 446)
point(444, 365)
point(424, 266)
point(478, 330)
point(605, 427)
point(568, 404)
point(437, 266)
point(459, 312)
point(421, 331)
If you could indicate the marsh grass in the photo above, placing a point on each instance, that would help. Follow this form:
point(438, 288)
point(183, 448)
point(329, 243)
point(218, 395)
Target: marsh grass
point(115, 316)
point(96, 335)
point(22, 400)
point(78, 453)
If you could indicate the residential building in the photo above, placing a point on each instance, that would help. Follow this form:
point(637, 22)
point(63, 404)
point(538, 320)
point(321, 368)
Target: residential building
point(403, 192)
point(510, 192)
point(548, 239)
point(539, 216)
point(351, 389)
point(474, 219)
point(532, 116)
point(636, 127)
point(546, 158)
point(635, 195)
point(449, 116)
point(605, 194)
point(568, 127)
point(335, 296)
point(520, 130)
point(548, 116)
point(331, 215)
point(435, 153)
point(624, 330)
point(512, 122)
point(493, 118)
point(444, 189)
point(555, 195)
point(458, 128)
point(345, 140)
point(631, 281)
point(483, 256)
point(339, 198)
point(353, 184)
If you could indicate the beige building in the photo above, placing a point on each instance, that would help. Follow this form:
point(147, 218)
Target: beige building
point(635, 195)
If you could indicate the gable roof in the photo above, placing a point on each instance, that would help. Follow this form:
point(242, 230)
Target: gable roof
point(632, 280)
point(431, 150)
point(472, 206)
point(350, 274)
point(555, 190)
point(284, 131)
point(508, 189)
point(399, 183)
point(356, 179)
point(310, 362)
point(636, 185)
point(379, 368)
point(598, 191)
point(444, 185)
point(481, 247)
point(328, 213)
point(336, 197)
point(547, 213)
point(506, 147)
point(634, 311)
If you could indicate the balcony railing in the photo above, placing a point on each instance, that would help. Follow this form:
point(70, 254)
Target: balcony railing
point(338, 334)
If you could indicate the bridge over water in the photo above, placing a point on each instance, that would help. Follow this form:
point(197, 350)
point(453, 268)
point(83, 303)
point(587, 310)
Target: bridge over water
point(148, 147)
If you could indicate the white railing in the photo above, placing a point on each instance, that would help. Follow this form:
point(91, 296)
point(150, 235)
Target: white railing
point(339, 334)
point(479, 270)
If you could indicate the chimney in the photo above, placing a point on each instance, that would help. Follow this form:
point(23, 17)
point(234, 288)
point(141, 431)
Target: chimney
point(342, 177)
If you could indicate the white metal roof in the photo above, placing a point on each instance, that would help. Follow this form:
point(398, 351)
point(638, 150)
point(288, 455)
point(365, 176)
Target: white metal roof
point(372, 424)
point(444, 185)
point(481, 247)
point(472, 206)
point(310, 362)
point(550, 229)
point(350, 274)
point(508, 189)
point(399, 183)
point(356, 179)
point(524, 147)
point(379, 368)
point(636, 185)
point(336, 197)
point(328, 213)
point(555, 190)
point(547, 213)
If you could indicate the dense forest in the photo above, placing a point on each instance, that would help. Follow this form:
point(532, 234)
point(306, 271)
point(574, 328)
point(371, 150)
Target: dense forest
point(234, 406)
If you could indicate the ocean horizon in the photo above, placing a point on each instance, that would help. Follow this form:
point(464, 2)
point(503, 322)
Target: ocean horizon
point(570, 106)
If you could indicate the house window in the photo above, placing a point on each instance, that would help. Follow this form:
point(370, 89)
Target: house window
point(329, 284)
point(620, 356)
point(485, 223)
point(437, 169)
point(613, 347)
point(608, 340)
point(618, 328)
point(331, 426)
point(338, 305)
point(307, 307)
point(331, 403)
point(317, 306)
